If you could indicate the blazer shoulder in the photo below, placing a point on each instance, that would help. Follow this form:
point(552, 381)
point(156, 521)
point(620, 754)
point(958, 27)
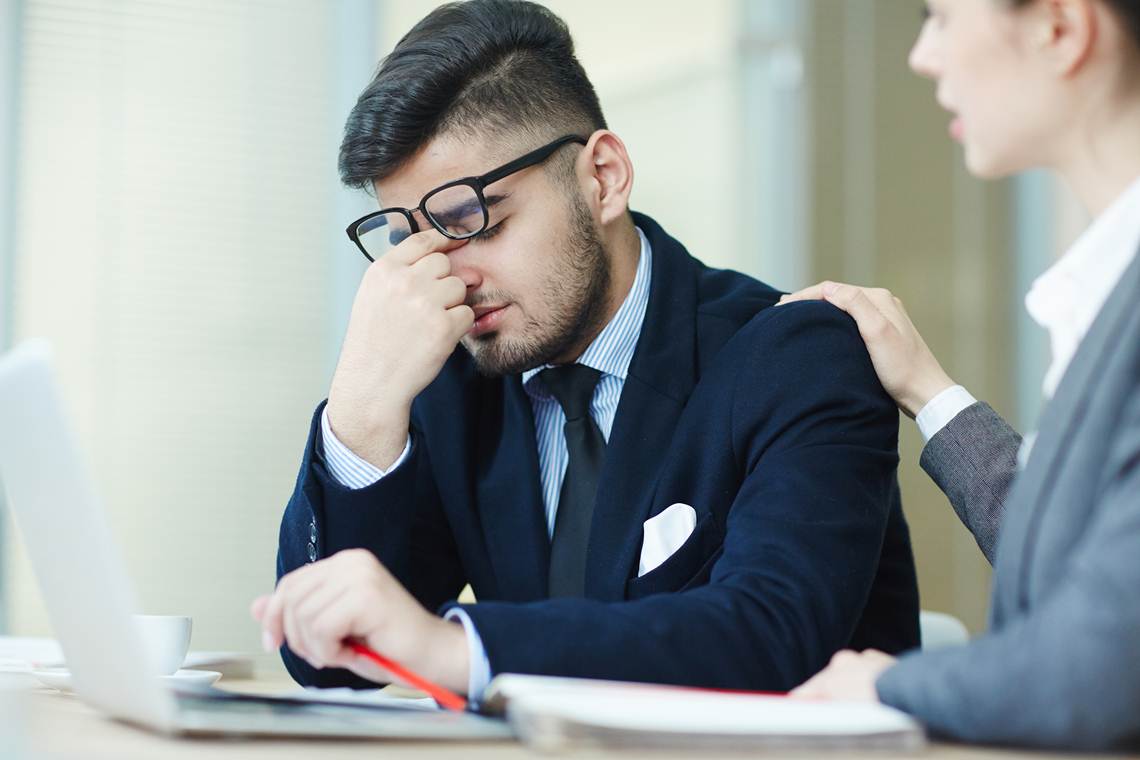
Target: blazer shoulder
point(802, 353)
point(726, 301)
point(806, 326)
point(733, 297)
point(806, 354)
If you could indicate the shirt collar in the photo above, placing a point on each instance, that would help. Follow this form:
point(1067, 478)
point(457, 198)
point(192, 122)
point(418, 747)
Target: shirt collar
point(1083, 278)
point(1067, 298)
point(612, 351)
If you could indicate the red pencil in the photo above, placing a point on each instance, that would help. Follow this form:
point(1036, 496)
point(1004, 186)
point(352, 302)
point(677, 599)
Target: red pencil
point(447, 699)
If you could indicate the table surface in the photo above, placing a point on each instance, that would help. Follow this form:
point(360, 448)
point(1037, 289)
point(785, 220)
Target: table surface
point(61, 726)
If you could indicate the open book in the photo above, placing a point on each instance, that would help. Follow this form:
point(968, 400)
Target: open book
point(557, 713)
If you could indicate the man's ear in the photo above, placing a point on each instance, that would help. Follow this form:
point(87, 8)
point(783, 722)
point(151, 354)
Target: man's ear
point(1066, 32)
point(606, 173)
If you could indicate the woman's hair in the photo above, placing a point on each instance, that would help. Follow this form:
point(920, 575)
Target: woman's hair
point(1127, 10)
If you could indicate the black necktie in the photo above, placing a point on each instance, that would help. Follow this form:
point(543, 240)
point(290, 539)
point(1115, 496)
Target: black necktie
point(573, 386)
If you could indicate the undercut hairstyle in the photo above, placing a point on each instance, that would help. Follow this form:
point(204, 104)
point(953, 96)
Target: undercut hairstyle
point(481, 67)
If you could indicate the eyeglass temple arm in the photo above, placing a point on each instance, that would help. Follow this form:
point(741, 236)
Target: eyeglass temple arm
point(534, 157)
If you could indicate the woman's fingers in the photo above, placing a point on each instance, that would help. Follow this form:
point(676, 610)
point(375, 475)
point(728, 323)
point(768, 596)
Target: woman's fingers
point(873, 324)
point(849, 676)
point(811, 293)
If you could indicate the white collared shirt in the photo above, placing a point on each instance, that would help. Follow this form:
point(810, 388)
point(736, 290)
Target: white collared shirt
point(1065, 300)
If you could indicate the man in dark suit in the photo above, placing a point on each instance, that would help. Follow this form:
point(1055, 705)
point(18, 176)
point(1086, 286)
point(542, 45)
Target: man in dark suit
point(643, 471)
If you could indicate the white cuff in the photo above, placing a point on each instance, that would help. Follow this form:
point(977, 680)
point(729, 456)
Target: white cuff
point(941, 409)
point(346, 467)
point(478, 664)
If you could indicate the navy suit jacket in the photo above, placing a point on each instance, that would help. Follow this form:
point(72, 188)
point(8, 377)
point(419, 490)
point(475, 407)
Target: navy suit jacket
point(769, 422)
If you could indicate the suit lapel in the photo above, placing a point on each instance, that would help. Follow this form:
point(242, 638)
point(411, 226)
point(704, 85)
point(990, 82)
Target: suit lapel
point(1062, 416)
point(661, 376)
point(509, 493)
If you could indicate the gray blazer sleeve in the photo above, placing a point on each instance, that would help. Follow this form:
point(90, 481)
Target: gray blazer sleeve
point(973, 460)
point(1063, 673)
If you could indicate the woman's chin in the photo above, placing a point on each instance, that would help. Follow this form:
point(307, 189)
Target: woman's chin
point(985, 165)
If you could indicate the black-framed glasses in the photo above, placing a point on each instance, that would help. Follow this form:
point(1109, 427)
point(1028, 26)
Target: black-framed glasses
point(457, 209)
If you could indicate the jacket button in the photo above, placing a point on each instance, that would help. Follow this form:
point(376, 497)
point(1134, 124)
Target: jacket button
point(312, 553)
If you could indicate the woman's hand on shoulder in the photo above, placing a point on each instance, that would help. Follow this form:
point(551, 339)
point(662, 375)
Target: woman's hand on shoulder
point(907, 369)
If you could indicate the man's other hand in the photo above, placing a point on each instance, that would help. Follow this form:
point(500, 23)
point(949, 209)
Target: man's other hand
point(320, 608)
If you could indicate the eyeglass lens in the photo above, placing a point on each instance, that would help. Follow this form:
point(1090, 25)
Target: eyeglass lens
point(457, 210)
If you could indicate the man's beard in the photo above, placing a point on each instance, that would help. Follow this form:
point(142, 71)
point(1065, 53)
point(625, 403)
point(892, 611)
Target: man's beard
point(575, 293)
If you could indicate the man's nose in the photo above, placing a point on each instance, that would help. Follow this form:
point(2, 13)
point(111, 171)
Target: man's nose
point(465, 266)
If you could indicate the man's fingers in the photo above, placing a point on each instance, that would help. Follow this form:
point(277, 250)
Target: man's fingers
point(295, 596)
point(452, 291)
point(414, 247)
point(279, 620)
point(311, 617)
point(272, 629)
point(327, 631)
point(294, 636)
point(257, 611)
point(258, 605)
point(291, 586)
point(310, 608)
point(433, 266)
point(462, 318)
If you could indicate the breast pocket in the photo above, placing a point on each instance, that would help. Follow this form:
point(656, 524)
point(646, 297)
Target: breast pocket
point(689, 566)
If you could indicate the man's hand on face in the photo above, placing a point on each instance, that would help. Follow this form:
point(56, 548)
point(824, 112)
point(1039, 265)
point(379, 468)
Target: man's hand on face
point(350, 596)
point(407, 319)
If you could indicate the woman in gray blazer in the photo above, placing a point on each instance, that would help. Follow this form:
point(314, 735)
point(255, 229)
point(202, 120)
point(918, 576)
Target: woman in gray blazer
point(1056, 84)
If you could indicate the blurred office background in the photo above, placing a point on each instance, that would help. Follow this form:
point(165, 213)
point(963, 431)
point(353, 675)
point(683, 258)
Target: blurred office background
point(170, 218)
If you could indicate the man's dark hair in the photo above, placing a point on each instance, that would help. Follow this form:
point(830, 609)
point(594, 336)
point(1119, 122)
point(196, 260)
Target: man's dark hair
point(481, 66)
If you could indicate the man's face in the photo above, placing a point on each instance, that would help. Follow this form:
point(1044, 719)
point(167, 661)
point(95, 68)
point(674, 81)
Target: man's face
point(538, 277)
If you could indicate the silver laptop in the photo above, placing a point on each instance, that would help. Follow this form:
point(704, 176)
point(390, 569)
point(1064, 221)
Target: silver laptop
point(90, 599)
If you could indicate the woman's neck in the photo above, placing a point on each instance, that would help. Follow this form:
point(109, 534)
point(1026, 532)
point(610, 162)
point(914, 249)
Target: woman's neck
point(1101, 157)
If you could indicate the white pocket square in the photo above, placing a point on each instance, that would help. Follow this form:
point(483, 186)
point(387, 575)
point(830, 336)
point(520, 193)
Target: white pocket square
point(664, 534)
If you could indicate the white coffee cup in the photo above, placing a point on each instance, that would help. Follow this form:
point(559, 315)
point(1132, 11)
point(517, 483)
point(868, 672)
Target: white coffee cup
point(166, 639)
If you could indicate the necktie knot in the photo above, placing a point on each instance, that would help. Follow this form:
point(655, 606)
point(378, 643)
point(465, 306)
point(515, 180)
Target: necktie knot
point(572, 385)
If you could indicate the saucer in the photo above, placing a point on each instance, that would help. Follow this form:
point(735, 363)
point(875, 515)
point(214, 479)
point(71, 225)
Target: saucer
point(60, 678)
